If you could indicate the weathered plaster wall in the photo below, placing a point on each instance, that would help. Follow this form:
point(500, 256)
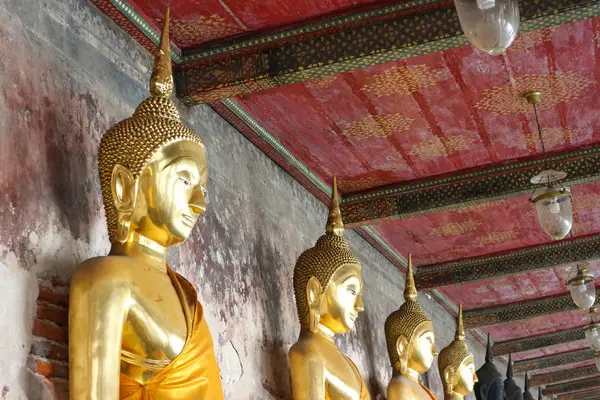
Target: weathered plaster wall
point(67, 73)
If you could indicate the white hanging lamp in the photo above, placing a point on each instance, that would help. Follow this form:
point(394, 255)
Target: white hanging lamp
point(582, 288)
point(489, 25)
point(592, 331)
point(553, 201)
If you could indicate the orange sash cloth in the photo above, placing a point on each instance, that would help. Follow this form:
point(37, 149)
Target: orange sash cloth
point(364, 393)
point(194, 373)
point(429, 392)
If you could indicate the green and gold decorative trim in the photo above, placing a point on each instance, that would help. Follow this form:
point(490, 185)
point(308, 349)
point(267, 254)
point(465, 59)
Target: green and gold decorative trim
point(465, 189)
point(565, 375)
point(553, 360)
point(538, 342)
point(572, 386)
point(509, 263)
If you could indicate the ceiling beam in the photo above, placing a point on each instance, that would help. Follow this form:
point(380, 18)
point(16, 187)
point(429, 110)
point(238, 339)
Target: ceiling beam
point(553, 360)
point(561, 376)
point(518, 311)
point(513, 262)
point(538, 342)
point(341, 44)
point(464, 188)
point(572, 386)
point(588, 395)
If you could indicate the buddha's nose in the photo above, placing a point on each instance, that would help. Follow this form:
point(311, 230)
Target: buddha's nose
point(198, 201)
point(359, 306)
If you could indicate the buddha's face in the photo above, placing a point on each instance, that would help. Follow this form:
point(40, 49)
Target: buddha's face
point(171, 193)
point(422, 349)
point(466, 377)
point(343, 299)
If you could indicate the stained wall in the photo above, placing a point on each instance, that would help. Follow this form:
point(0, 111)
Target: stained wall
point(67, 73)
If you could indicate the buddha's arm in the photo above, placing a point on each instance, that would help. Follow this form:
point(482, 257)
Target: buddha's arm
point(308, 377)
point(97, 312)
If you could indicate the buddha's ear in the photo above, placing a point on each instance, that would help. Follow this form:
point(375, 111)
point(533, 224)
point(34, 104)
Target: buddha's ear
point(402, 349)
point(124, 188)
point(314, 298)
point(448, 377)
point(314, 292)
point(401, 346)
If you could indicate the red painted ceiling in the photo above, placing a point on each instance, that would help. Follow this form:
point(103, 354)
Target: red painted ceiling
point(195, 22)
point(442, 112)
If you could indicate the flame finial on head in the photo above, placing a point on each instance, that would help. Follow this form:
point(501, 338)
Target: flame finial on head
point(489, 352)
point(460, 329)
point(410, 290)
point(509, 369)
point(161, 82)
point(335, 225)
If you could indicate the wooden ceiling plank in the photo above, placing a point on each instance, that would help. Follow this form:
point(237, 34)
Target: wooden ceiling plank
point(562, 376)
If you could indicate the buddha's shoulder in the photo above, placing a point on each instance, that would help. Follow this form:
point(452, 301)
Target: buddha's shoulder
point(310, 348)
point(105, 268)
point(401, 386)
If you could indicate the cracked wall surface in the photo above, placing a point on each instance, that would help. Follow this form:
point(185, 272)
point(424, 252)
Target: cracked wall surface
point(67, 73)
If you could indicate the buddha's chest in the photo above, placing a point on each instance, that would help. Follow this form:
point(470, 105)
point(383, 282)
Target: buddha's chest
point(341, 379)
point(155, 327)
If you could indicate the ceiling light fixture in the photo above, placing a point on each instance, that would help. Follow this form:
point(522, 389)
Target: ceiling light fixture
point(552, 200)
point(489, 25)
point(583, 290)
point(592, 331)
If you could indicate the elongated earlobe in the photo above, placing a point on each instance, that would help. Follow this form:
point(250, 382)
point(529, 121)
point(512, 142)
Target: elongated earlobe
point(314, 296)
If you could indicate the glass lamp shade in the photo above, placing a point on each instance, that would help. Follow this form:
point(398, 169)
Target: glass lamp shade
point(583, 291)
point(489, 25)
point(554, 208)
point(592, 336)
point(594, 315)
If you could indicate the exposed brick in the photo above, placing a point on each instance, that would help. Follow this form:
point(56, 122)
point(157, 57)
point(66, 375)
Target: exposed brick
point(41, 366)
point(50, 330)
point(53, 296)
point(50, 312)
point(48, 368)
point(53, 351)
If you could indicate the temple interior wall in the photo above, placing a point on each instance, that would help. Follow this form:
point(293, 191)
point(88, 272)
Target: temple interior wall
point(67, 73)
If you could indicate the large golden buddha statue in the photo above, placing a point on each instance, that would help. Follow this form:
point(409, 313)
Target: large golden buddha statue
point(457, 365)
point(411, 345)
point(328, 289)
point(136, 328)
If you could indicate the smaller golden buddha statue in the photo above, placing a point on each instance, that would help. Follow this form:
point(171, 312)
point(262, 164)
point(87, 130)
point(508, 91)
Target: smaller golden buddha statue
point(411, 345)
point(328, 288)
point(457, 365)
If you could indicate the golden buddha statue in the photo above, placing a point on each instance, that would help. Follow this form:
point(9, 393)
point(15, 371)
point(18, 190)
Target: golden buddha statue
point(410, 344)
point(136, 328)
point(328, 289)
point(457, 365)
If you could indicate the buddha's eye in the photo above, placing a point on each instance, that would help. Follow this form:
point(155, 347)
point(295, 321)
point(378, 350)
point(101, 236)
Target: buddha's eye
point(185, 181)
point(352, 291)
point(204, 192)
